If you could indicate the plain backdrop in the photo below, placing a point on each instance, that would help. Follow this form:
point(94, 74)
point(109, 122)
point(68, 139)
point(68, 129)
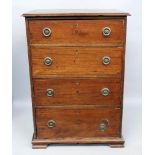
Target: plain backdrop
point(22, 117)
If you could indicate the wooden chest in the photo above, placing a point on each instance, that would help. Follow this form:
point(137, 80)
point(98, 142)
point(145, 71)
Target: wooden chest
point(76, 62)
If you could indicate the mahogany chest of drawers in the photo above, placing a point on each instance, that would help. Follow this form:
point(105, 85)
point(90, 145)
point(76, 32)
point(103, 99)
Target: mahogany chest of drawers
point(76, 62)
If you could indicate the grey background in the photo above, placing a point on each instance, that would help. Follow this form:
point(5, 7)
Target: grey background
point(22, 117)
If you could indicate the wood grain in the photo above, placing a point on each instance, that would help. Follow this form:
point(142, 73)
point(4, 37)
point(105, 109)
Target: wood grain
point(77, 123)
point(76, 61)
point(111, 141)
point(77, 91)
point(77, 75)
point(77, 31)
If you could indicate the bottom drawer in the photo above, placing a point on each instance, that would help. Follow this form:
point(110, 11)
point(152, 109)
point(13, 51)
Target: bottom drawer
point(60, 123)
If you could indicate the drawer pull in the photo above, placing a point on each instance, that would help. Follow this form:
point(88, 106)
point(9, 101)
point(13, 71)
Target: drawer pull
point(106, 31)
point(47, 32)
point(48, 61)
point(51, 123)
point(106, 60)
point(103, 125)
point(105, 92)
point(50, 92)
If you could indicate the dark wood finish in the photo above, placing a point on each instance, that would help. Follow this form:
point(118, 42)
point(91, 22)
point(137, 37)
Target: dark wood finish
point(77, 91)
point(76, 61)
point(77, 76)
point(72, 123)
point(77, 31)
point(30, 74)
point(123, 73)
point(113, 142)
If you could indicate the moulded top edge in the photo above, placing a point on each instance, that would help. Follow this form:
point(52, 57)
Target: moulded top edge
point(79, 12)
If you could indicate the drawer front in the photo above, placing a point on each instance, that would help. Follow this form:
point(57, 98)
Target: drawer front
point(108, 31)
point(78, 123)
point(76, 61)
point(77, 92)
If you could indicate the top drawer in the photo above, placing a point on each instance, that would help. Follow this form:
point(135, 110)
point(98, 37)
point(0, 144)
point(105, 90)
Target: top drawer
point(62, 32)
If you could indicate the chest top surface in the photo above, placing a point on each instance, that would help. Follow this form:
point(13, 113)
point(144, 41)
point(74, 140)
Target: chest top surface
point(75, 12)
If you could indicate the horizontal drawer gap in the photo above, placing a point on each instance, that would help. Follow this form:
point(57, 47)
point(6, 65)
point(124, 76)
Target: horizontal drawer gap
point(74, 77)
point(76, 45)
point(80, 106)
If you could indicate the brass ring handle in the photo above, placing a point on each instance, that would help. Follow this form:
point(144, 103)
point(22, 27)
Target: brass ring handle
point(51, 123)
point(106, 60)
point(48, 61)
point(50, 92)
point(105, 92)
point(47, 31)
point(103, 125)
point(106, 31)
